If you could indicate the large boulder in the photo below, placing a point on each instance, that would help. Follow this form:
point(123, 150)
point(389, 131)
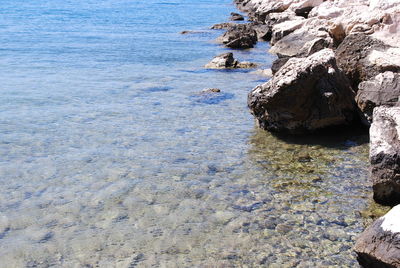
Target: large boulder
point(239, 36)
point(378, 245)
point(385, 155)
point(352, 57)
point(382, 90)
point(304, 95)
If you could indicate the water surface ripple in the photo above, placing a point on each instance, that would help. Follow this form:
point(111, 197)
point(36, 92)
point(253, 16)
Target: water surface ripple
point(110, 158)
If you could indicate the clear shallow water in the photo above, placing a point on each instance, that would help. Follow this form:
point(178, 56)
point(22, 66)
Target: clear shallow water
point(109, 157)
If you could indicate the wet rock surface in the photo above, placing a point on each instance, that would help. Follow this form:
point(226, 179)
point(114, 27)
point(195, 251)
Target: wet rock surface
point(236, 16)
point(304, 95)
point(384, 155)
point(377, 246)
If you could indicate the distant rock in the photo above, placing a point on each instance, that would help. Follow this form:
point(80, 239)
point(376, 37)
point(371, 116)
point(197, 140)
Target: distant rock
point(382, 90)
point(304, 95)
point(385, 155)
point(223, 26)
point(222, 61)
point(378, 245)
point(239, 36)
point(236, 16)
point(210, 90)
point(226, 61)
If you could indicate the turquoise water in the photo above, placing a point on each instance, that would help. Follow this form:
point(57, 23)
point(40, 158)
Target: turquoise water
point(109, 157)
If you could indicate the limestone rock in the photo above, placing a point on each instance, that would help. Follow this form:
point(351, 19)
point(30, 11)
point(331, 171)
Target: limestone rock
point(382, 90)
point(384, 155)
point(378, 245)
point(223, 26)
point(304, 95)
point(352, 57)
point(226, 61)
point(239, 36)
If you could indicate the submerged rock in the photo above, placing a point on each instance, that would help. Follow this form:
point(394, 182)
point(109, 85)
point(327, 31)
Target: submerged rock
point(383, 89)
point(304, 95)
point(378, 245)
point(239, 36)
point(385, 156)
point(227, 61)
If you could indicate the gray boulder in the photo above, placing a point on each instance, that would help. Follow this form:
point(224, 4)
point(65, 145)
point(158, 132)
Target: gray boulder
point(352, 57)
point(227, 61)
point(385, 155)
point(383, 89)
point(304, 95)
point(239, 36)
point(378, 245)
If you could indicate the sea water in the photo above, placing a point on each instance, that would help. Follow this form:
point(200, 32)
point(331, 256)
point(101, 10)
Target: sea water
point(111, 157)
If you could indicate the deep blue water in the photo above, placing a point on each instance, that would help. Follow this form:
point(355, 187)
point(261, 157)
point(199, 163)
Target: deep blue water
point(110, 157)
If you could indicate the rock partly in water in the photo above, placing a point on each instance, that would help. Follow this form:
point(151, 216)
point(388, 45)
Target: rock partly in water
point(222, 61)
point(210, 90)
point(385, 155)
point(306, 94)
point(227, 61)
point(236, 16)
point(382, 90)
point(239, 36)
point(378, 245)
point(223, 26)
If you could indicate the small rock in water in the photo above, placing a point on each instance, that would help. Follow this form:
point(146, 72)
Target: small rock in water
point(236, 16)
point(211, 90)
point(221, 26)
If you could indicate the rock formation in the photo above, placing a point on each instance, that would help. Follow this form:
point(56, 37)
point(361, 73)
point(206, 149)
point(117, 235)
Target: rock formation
point(304, 95)
point(378, 245)
point(227, 61)
point(385, 155)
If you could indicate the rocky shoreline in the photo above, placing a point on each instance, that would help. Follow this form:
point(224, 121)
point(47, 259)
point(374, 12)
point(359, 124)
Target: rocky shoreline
point(338, 64)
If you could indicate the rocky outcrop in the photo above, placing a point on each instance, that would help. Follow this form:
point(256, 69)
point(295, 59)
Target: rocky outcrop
point(236, 17)
point(382, 90)
point(385, 155)
point(306, 94)
point(239, 36)
point(352, 56)
point(227, 61)
point(378, 245)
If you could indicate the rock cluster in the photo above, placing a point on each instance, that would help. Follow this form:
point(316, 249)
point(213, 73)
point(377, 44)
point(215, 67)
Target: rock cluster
point(338, 62)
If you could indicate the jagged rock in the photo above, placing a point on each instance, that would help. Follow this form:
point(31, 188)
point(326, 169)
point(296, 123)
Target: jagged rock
point(304, 95)
point(222, 61)
point(283, 29)
point(352, 57)
point(227, 61)
point(302, 39)
point(384, 155)
point(378, 245)
point(223, 26)
point(263, 31)
point(278, 63)
point(236, 16)
point(382, 90)
point(239, 36)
